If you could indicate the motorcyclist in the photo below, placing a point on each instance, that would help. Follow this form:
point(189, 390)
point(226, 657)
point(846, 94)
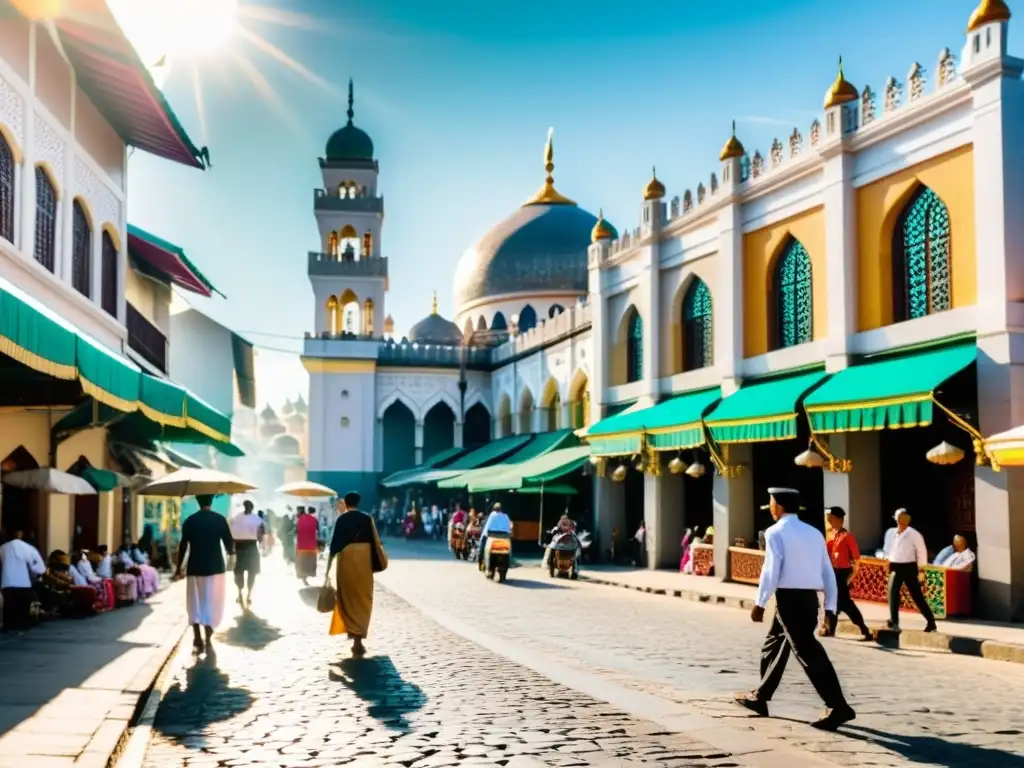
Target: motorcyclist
point(458, 518)
point(498, 524)
point(565, 525)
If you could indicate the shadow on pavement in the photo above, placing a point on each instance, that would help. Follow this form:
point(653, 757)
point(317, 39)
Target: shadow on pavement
point(375, 680)
point(251, 631)
point(935, 751)
point(205, 698)
point(534, 584)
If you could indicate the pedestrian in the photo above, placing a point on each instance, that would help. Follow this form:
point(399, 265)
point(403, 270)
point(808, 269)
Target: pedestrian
point(641, 544)
point(205, 537)
point(19, 562)
point(845, 558)
point(307, 548)
point(796, 567)
point(356, 546)
point(907, 554)
point(247, 530)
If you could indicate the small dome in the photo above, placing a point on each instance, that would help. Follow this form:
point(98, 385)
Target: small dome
point(841, 92)
point(389, 324)
point(268, 414)
point(987, 12)
point(732, 148)
point(654, 190)
point(602, 229)
point(284, 445)
point(349, 142)
point(434, 329)
point(287, 409)
point(300, 405)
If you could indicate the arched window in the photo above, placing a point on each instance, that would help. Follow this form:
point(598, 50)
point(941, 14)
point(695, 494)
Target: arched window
point(108, 276)
point(555, 309)
point(46, 220)
point(794, 301)
point(6, 190)
point(368, 317)
point(367, 245)
point(332, 243)
point(81, 251)
point(698, 336)
point(527, 319)
point(499, 323)
point(920, 258)
point(634, 348)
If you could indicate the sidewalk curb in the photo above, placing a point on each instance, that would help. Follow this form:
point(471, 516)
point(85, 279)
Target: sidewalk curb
point(108, 743)
point(907, 639)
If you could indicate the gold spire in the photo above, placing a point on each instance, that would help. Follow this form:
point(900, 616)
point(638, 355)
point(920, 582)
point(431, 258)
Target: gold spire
point(602, 229)
point(547, 194)
point(433, 310)
point(842, 91)
point(987, 12)
point(732, 148)
point(654, 190)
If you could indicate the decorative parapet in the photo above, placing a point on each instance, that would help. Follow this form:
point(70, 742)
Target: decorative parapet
point(329, 265)
point(575, 319)
point(405, 352)
point(326, 200)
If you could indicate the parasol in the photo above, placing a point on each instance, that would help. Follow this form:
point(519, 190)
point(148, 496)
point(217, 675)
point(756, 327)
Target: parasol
point(306, 488)
point(50, 480)
point(1007, 448)
point(193, 482)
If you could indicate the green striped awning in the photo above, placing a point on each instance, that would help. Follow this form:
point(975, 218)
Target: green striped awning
point(762, 410)
point(888, 393)
point(541, 470)
point(676, 424)
point(485, 454)
point(618, 434)
point(540, 445)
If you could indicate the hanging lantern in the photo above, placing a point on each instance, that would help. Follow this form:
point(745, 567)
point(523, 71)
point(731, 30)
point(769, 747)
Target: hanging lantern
point(639, 464)
point(619, 473)
point(676, 466)
point(945, 454)
point(810, 459)
point(695, 470)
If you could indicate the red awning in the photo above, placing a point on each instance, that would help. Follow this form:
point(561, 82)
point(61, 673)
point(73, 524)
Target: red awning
point(110, 71)
point(170, 260)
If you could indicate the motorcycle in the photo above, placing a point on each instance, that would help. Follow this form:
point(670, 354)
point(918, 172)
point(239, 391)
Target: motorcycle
point(457, 541)
point(472, 542)
point(497, 558)
point(565, 552)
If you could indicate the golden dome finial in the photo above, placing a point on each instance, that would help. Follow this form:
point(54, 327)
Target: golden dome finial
point(602, 229)
point(548, 195)
point(732, 148)
point(433, 309)
point(987, 12)
point(841, 91)
point(654, 190)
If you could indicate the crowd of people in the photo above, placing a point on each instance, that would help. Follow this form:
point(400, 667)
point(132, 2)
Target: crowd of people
point(76, 585)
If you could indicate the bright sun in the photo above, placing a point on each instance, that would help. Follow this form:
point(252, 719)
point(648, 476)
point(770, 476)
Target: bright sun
point(177, 29)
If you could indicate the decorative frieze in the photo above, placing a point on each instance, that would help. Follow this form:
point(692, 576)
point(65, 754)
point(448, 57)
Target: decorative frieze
point(12, 111)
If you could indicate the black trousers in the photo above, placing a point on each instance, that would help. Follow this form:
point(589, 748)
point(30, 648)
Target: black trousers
point(906, 573)
point(845, 603)
point(17, 608)
point(796, 619)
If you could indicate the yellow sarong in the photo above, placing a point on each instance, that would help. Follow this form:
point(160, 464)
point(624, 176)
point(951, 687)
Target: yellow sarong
point(353, 605)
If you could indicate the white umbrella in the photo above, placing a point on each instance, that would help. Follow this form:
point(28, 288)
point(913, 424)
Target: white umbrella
point(50, 480)
point(306, 488)
point(193, 482)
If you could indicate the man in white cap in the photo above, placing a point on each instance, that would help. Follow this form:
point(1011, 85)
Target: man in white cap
point(907, 554)
point(796, 567)
point(497, 524)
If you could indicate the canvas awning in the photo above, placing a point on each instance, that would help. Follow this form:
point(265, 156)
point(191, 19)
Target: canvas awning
point(437, 460)
point(168, 260)
point(676, 424)
point(540, 445)
point(540, 470)
point(485, 454)
point(619, 433)
point(762, 410)
point(886, 393)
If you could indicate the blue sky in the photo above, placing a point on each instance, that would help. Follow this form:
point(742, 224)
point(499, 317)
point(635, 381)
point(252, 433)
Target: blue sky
point(458, 97)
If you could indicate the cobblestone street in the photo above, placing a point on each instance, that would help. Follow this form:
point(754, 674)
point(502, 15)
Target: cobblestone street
point(282, 693)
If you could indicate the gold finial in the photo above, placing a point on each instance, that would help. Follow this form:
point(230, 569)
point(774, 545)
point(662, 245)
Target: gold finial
point(732, 148)
point(433, 310)
point(602, 229)
point(987, 12)
point(548, 195)
point(841, 91)
point(654, 190)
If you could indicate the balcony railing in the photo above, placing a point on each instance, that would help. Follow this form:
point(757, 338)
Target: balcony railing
point(146, 339)
point(335, 266)
point(326, 200)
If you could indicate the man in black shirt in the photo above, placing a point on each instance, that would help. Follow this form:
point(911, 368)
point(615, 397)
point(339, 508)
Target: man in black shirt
point(205, 537)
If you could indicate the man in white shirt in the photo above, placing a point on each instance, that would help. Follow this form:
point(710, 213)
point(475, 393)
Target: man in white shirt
point(907, 554)
point(796, 567)
point(498, 524)
point(958, 555)
point(19, 561)
point(247, 530)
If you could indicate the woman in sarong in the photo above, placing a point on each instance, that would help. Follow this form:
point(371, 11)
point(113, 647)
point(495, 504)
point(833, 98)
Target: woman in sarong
point(357, 549)
point(306, 548)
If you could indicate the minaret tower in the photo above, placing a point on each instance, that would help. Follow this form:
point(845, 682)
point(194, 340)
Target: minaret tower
point(349, 276)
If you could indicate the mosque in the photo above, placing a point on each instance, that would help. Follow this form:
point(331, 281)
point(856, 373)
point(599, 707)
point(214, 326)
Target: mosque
point(840, 314)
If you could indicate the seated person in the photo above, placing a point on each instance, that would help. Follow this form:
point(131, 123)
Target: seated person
point(957, 556)
point(126, 585)
point(139, 555)
point(104, 565)
point(54, 586)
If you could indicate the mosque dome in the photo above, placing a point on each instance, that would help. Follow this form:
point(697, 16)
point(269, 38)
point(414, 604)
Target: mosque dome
point(348, 142)
point(284, 445)
point(540, 247)
point(268, 414)
point(287, 409)
point(654, 190)
point(434, 329)
point(987, 12)
point(602, 229)
point(842, 91)
point(732, 148)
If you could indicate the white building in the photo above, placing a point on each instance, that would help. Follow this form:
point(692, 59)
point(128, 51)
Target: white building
point(854, 292)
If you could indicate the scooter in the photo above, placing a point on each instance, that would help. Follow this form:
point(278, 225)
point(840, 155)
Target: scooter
point(565, 552)
point(497, 558)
